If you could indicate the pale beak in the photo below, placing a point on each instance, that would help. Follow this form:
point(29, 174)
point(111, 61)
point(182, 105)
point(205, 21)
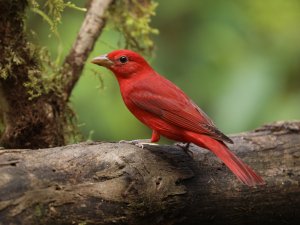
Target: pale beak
point(102, 60)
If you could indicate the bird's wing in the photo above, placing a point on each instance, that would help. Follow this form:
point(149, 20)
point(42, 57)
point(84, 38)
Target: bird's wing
point(177, 109)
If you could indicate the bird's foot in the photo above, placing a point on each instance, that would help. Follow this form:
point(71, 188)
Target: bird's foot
point(139, 142)
point(185, 148)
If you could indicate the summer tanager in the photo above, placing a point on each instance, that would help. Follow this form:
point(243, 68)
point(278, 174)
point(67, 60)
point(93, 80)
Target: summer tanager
point(168, 111)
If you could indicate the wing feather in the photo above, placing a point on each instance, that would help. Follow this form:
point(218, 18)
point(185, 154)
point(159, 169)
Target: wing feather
point(179, 111)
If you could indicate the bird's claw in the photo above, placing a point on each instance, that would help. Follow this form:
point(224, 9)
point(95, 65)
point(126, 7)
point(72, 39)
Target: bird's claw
point(139, 142)
point(185, 148)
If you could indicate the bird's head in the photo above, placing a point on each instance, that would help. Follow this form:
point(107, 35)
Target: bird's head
point(123, 63)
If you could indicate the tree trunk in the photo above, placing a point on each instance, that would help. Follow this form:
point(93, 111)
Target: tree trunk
point(112, 183)
point(39, 122)
point(28, 123)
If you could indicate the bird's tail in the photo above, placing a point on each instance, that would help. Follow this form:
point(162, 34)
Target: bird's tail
point(243, 172)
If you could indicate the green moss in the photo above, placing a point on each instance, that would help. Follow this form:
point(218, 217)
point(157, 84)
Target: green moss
point(132, 18)
point(4, 71)
point(48, 76)
point(82, 223)
point(38, 211)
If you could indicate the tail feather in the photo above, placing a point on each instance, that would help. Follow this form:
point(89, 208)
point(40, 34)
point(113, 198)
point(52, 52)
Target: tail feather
point(243, 172)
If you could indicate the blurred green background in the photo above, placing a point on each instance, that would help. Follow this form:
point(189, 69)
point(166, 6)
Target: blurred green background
point(238, 60)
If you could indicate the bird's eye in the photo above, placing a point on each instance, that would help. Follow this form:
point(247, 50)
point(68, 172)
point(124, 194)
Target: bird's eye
point(123, 59)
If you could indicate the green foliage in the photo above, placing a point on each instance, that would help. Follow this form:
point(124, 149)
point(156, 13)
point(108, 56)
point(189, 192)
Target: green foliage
point(48, 76)
point(132, 19)
point(52, 11)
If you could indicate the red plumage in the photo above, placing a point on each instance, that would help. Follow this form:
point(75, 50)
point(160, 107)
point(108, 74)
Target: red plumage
point(168, 111)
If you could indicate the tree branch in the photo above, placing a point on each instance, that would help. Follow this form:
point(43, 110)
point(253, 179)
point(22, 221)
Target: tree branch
point(90, 30)
point(112, 183)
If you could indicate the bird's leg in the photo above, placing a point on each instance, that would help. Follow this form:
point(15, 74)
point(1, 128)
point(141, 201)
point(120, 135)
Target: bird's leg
point(141, 142)
point(155, 136)
point(185, 148)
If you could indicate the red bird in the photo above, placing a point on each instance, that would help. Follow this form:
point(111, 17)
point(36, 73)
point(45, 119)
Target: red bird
point(168, 111)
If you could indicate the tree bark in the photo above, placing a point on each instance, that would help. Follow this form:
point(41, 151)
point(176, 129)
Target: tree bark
point(113, 183)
